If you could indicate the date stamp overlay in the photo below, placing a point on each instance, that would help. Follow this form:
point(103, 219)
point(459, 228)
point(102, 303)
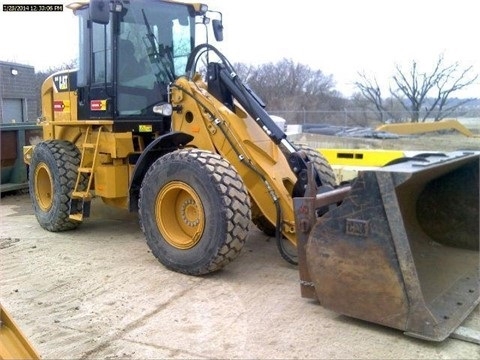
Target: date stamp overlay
point(32, 7)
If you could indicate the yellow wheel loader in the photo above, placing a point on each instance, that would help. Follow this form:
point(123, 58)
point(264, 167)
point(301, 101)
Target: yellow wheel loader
point(156, 120)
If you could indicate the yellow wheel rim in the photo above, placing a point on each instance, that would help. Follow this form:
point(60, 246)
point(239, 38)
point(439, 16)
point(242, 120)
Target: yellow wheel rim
point(43, 186)
point(179, 215)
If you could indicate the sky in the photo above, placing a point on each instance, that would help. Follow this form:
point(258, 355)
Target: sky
point(339, 37)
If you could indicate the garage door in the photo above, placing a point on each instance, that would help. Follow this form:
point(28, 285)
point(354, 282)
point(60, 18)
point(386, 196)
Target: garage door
point(12, 110)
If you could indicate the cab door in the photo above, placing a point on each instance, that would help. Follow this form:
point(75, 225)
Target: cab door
point(96, 69)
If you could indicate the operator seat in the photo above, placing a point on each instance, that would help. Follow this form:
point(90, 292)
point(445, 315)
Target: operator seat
point(128, 66)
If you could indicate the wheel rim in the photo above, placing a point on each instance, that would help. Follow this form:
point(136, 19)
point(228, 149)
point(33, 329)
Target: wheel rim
point(179, 215)
point(43, 187)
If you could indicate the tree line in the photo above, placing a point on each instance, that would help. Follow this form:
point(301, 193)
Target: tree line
point(301, 94)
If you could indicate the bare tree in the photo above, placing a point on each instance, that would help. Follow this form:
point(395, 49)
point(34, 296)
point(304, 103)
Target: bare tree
point(292, 87)
point(371, 91)
point(421, 94)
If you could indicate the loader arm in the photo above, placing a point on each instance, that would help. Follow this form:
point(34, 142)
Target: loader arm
point(231, 121)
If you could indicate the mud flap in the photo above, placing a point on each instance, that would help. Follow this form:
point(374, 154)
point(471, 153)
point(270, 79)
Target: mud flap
point(402, 247)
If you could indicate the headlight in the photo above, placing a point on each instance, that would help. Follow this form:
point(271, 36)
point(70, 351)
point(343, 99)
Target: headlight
point(164, 109)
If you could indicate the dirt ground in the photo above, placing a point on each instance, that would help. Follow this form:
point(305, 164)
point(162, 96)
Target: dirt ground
point(98, 292)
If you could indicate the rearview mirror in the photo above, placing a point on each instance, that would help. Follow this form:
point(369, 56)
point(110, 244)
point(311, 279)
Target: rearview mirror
point(99, 11)
point(217, 29)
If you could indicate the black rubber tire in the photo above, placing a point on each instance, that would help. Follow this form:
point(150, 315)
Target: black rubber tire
point(327, 177)
point(224, 202)
point(54, 161)
point(264, 225)
point(323, 167)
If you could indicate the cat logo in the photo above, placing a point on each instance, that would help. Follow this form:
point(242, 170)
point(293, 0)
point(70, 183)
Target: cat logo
point(61, 82)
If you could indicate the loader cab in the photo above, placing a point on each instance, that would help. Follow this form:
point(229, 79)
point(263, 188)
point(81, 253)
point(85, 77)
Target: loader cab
point(130, 51)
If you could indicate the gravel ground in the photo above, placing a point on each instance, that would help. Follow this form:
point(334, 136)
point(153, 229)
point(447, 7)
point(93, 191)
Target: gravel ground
point(98, 292)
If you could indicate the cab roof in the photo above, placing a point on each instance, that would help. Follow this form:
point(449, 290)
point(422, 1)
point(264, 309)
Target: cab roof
point(81, 4)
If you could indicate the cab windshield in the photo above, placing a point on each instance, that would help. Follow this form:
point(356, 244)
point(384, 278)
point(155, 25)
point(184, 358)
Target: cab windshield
point(154, 42)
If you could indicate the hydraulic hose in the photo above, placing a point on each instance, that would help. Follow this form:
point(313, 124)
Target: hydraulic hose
point(247, 98)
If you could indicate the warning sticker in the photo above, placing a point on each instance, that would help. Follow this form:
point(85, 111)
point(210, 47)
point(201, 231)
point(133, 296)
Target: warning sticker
point(145, 128)
point(61, 106)
point(98, 105)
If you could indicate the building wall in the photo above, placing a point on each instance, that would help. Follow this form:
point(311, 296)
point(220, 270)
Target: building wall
point(18, 97)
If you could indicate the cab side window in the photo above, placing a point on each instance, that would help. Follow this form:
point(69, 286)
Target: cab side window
point(101, 54)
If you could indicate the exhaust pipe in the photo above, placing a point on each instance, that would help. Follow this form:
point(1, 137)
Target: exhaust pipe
point(402, 247)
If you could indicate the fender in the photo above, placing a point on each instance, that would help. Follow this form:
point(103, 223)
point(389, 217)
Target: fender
point(159, 147)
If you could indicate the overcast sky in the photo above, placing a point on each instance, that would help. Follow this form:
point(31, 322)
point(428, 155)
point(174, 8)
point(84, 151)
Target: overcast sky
point(338, 37)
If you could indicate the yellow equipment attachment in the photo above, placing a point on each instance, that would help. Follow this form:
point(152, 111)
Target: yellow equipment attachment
point(425, 127)
point(13, 342)
point(400, 249)
point(346, 163)
point(360, 157)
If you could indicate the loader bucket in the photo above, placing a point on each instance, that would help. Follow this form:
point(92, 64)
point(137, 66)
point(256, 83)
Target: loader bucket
point(401, 249)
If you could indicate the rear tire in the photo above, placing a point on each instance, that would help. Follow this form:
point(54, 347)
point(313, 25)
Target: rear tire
point(194, 211)
point(52, 176)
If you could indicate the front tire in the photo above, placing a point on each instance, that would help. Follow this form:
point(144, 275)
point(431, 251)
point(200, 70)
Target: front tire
point(194, 211)
point(320, 163)
point(52, 177)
